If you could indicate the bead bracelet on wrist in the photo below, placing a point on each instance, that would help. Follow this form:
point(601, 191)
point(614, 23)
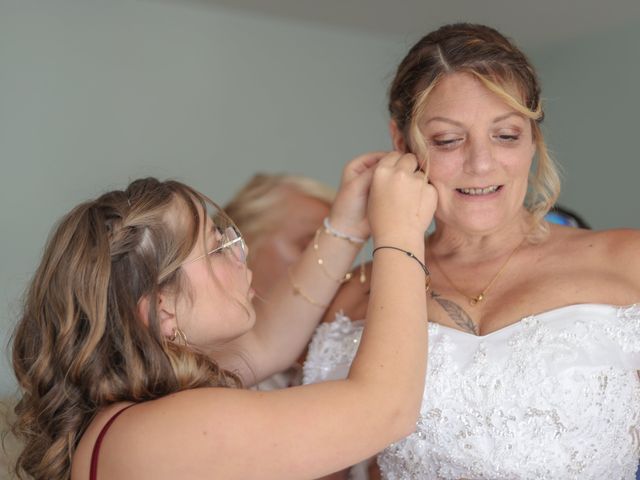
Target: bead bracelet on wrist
point(338, 234)
point(321, 262)
point(316, 248)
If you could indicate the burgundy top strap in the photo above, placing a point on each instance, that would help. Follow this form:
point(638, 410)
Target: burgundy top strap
point(93, 474)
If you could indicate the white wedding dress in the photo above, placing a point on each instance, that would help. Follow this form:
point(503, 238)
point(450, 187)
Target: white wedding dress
point(553, 396)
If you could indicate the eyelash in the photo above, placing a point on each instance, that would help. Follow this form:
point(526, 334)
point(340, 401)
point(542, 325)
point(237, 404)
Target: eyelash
point(451, 143)
point(447, 144)
point(508, 138)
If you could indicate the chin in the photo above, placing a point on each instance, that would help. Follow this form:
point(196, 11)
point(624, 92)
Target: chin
point(251, 317)
point(478, 224)
point(480, 218)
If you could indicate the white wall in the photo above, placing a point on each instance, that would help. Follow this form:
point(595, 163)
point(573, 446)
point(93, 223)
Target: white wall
point(592, 91)
point(95, 93)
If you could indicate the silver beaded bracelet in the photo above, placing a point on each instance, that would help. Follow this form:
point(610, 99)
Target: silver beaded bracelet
point(332, 231)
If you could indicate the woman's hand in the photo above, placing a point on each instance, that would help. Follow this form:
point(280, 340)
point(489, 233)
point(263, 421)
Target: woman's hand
point(401, 202)
point(349, 211)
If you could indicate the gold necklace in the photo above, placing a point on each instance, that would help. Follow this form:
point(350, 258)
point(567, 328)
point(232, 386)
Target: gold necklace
point(474, 300)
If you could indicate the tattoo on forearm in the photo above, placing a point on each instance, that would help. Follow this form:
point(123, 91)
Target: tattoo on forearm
point(456, 313)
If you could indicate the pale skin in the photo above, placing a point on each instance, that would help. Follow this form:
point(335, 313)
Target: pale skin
point(292, 433)
point(476, 141)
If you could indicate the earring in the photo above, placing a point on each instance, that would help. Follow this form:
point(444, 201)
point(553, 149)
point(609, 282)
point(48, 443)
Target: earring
point(178, 336)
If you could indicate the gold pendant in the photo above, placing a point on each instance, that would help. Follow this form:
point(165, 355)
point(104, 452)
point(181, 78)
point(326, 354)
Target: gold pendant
point(475, 300)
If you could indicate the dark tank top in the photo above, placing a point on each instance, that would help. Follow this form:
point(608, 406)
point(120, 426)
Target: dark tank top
point(93, 475)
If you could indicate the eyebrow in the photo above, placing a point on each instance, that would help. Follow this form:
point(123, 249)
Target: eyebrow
point(459, 124)
point(507, 115)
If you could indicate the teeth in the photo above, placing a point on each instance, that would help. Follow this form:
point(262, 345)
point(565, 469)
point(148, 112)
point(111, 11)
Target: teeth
point(478, 191)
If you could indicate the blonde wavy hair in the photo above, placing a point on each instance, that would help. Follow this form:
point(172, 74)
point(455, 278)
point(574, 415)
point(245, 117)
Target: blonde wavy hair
point(257, 207)
point(503, 69)
point(80, 345)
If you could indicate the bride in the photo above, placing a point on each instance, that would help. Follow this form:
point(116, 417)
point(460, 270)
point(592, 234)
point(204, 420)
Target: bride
point(534, 329)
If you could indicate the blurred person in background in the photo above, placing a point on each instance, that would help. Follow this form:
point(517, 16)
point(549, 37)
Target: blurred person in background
point(279, 216)
point(534, 326)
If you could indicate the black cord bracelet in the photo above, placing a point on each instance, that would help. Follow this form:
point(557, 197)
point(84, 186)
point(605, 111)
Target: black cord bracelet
point(408, 254)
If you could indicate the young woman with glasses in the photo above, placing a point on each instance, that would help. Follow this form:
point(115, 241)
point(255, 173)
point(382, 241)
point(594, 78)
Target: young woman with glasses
point(138, 331)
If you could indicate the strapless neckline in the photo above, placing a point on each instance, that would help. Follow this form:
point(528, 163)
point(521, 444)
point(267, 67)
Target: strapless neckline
point(553, 395)
point(542, 316)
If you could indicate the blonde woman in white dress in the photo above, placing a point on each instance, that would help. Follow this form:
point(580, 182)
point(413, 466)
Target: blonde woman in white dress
point(534, 329)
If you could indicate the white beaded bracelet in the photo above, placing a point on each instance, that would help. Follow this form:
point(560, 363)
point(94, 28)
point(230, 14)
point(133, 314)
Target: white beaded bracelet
point(331, 231)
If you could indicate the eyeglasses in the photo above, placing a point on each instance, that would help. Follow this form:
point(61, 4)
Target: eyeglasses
point(232, 242)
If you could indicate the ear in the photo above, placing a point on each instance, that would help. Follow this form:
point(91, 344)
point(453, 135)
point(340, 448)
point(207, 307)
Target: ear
point(165, 310)
point(397, 137)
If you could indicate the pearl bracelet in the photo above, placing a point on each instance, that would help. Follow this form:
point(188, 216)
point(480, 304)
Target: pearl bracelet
point(336, 233)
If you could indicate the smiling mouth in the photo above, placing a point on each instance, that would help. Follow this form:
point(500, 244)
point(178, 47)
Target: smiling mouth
point(479, 191)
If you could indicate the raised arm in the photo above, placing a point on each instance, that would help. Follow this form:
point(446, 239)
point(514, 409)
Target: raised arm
point(309, 431)
point(285, 323)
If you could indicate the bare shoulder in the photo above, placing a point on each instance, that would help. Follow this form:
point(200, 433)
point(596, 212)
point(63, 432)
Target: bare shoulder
point(608, 251)
point(622, 250)
point(623, 242)
point(226, 433)
point(617, 247)
point(353, 296)
point(140, 443)
point(608, 243)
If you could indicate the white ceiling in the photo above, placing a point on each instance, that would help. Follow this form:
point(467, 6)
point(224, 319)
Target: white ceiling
point(533, 23)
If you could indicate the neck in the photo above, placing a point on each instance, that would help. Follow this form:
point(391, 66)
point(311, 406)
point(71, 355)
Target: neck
point(448, 241)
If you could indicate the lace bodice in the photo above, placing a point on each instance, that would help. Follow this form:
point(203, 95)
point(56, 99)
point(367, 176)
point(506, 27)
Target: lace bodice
point(553, 396)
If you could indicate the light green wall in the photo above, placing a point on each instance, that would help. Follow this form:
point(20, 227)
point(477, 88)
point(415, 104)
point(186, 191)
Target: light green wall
point(95, 93)
point(592, 91)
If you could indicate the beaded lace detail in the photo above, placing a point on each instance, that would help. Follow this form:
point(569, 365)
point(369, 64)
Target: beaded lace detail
point(554, 396)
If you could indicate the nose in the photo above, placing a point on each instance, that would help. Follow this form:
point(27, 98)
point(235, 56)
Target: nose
point(479, 158)
point(238, 257)
point(239, 250)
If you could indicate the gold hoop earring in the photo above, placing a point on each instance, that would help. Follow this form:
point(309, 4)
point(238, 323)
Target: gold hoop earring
point(178, 336)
